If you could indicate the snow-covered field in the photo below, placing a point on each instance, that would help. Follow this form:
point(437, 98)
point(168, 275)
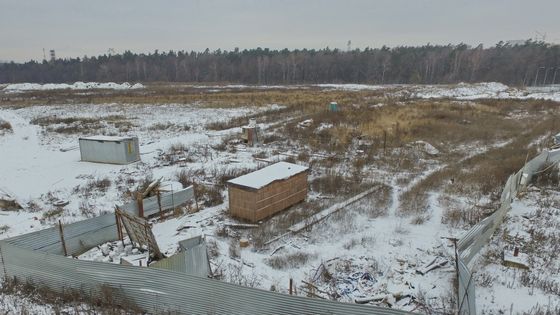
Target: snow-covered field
point(365, 251)
point(19, 87)
point(532, 224)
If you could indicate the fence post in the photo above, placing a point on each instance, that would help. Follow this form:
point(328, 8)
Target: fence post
point(140, 201)
point(61, 230)
point(158, 194)
point(455, 240)
point(3, 263)
point(291, 285)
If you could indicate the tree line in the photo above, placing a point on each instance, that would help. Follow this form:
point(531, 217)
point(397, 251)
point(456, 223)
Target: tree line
point(531, 63)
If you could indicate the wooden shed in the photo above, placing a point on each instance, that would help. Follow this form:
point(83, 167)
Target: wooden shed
point(262, 193)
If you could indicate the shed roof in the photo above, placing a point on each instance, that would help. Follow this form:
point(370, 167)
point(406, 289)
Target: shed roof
point(269, 174)
point(106, 138)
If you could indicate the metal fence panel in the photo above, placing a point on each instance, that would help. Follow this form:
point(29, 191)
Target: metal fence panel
point(197, 262)
point(478, 236)
point(168, 201)
point(156, 290)
point(78, 236)
point(192, 259)
point(467, 299)
point(33, 256)
point(191, 242)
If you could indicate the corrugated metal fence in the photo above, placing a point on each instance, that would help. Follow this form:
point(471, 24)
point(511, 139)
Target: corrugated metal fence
point(167, 201)
point(158, 291)
point(478, 236)
point(37, 257)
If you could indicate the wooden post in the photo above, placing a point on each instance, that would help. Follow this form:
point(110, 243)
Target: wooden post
point(291, 285)
point(117, 223)
point(120, 233)
point(384, 142)
point(194, 194)
point(158, 194)
point(140, 202)
point(60, 229)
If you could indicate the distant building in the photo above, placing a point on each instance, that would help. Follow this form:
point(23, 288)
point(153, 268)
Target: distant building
point(263, 193)
point(107, 149)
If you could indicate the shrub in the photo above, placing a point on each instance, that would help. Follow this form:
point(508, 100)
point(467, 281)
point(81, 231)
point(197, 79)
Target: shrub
point(185, 177)
point(548, 176)
point(51, 214)
point(210, 195)
point(167, 126)
point(234, 248)
point(5, 126)
point(100, 184)
point(452, 216)
point(294, 260)
point(4, 228)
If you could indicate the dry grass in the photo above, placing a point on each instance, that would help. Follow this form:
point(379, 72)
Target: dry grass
point(5, 126)
point(288, 261)
point(73, 125)
point(335, 183)
point(548, 176)
point(4, 228)
point(97, 184)
point(168, 126)
point(66, 300)
point(53, 213)
point(485, 173)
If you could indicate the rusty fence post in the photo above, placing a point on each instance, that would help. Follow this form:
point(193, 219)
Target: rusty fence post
point(140, 202)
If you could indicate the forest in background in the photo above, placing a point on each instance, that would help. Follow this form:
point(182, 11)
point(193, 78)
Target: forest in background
point(532, 63)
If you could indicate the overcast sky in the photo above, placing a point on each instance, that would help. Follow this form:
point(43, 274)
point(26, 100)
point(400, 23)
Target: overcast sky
point(77, 28)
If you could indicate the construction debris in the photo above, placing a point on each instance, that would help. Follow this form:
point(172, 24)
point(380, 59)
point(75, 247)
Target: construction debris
point(139, 231)
point(437, 262)
point(515, 259)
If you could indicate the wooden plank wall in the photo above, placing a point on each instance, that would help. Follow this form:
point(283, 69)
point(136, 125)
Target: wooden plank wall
point(255, 205)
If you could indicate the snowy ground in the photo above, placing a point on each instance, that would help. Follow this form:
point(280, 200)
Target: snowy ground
point(364, 251)
point(532, 226)
point(19, 87)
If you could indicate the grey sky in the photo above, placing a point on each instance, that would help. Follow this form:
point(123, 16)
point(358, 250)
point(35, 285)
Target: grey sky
point(77, 28)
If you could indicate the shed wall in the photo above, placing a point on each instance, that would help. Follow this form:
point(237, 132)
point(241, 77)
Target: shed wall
point(255, 205)
point(132, 150)
point(121, 152)
point(242, 203)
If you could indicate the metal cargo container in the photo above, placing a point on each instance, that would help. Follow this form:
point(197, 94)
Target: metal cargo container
point(107, 149)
